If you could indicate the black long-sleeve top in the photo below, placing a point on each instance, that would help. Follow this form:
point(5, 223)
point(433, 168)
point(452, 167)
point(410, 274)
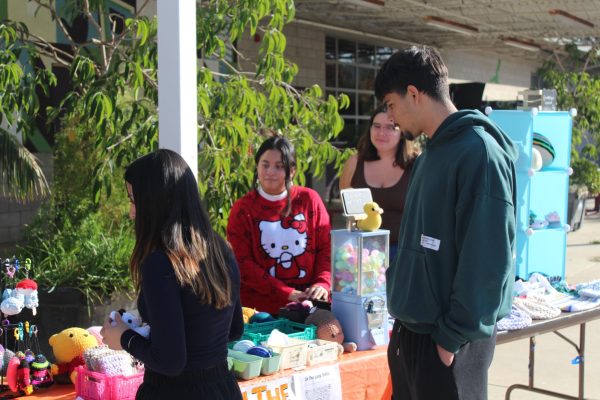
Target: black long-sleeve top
point(185, 335)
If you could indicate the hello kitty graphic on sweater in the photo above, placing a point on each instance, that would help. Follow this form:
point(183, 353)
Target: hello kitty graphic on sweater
point(283, 241)
point(277, 254)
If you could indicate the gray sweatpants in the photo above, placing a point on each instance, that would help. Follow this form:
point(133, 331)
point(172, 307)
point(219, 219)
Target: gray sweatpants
point(419, 374)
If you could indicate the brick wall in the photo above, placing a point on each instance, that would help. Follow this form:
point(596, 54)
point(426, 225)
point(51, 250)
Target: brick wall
point(305, 46)
point(14, 215)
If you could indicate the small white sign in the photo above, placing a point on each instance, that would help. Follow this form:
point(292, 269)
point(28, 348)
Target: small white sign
point(319, 384)
point(430, 243)
point(378, 336)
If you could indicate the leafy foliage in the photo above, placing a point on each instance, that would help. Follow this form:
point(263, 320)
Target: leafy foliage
point(114, 90)
point(109, 117)
point(20, 175)
point(578, 88)
point(91, 253)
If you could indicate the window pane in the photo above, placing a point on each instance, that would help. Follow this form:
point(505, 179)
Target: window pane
point(366, 54)
point(366, 78)
point(351, 108)
point(347, 76)
point(347, 51)
point(366, 103)
point(383, 53)
point(330, 53)
point(348, 134)
point(330, 75)
point(363, 127)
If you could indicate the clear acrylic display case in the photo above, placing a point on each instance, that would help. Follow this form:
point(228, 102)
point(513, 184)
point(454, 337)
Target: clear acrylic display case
point(359, 261)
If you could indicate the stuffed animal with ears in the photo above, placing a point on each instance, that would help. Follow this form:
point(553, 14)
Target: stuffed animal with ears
point(329, 328)
point(68, 347)
point(132, 321)
point(24, 294)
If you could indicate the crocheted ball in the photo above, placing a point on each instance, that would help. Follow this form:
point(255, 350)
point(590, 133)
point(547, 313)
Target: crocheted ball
point(261, 317)
point(243, 345)
point(259, 351)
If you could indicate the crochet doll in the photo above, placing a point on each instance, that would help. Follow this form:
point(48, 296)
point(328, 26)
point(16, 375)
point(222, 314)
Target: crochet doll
point(41, 377)
point(68, 347)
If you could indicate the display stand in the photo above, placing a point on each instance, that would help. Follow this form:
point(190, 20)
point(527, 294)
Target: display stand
point(543, 191)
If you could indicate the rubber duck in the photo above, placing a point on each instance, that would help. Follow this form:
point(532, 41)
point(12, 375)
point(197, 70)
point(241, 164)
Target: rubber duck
point(373, 220)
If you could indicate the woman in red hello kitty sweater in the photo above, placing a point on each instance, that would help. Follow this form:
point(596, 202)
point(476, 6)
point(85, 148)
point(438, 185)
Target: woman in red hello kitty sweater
point(280, 234)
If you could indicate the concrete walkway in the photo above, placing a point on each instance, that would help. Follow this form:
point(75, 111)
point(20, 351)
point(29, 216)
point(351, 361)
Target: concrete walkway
point(553, 368)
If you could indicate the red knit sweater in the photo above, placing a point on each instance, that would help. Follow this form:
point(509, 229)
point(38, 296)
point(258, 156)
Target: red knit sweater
point(278, 254)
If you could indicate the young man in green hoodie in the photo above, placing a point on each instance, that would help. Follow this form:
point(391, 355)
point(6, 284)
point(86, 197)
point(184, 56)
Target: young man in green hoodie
point(451, 279)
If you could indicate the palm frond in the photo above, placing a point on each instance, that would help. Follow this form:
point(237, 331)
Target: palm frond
point(21, 177)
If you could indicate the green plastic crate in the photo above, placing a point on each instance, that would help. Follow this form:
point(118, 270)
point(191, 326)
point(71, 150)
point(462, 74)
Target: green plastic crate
point(260, 331)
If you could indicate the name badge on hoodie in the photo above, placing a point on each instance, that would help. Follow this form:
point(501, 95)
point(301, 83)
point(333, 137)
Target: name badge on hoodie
point(430, 243)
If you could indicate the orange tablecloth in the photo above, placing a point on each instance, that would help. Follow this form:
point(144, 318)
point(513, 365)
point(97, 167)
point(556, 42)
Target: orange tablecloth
point(364, 376)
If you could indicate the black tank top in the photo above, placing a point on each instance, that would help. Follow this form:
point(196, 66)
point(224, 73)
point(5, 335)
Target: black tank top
point(391, 199)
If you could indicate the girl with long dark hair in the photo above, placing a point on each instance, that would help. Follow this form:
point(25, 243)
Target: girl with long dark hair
point(188, 284)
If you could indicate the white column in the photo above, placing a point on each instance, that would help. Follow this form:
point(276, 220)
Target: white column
point(177, 98)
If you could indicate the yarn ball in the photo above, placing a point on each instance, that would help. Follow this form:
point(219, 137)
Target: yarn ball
point(261, 317)
point(243, 345)
point(259, 351)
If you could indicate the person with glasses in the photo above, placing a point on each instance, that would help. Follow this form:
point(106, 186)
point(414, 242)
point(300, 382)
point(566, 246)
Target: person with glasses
point(383, 164)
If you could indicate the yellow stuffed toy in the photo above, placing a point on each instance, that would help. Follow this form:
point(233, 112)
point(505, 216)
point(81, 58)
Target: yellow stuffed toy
point(68, 347)
point(247, 313)
point(373, 220)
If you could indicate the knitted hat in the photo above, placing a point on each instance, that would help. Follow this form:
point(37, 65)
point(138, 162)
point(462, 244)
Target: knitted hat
point(328, 327)
point(589, 289)
point(537, 307)
point(517, 319)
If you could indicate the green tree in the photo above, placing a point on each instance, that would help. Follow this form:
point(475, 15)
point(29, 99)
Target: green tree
point(114, 90)
point(577, 85)
point(20, 175)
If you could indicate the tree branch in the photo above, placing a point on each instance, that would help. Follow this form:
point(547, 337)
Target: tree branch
point(59, 21)
point(560, 64)
point(92, 20)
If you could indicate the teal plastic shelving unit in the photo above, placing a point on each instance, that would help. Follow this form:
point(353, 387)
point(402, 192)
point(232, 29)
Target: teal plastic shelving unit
point(542, 191)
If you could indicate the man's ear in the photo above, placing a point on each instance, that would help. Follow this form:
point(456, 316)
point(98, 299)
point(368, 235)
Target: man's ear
point(292, 173)
point(412, 91)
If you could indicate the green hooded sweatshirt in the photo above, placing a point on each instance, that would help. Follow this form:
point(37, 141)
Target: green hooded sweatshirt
point(452, 276)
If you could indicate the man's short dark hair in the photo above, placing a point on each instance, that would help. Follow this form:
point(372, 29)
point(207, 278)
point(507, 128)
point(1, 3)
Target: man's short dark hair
point(420, 66)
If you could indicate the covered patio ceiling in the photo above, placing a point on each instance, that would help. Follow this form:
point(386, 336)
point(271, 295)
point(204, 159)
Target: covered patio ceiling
point(487, 25)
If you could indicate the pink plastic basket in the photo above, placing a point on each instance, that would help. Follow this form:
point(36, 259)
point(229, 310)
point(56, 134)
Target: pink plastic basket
point(97, 386)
